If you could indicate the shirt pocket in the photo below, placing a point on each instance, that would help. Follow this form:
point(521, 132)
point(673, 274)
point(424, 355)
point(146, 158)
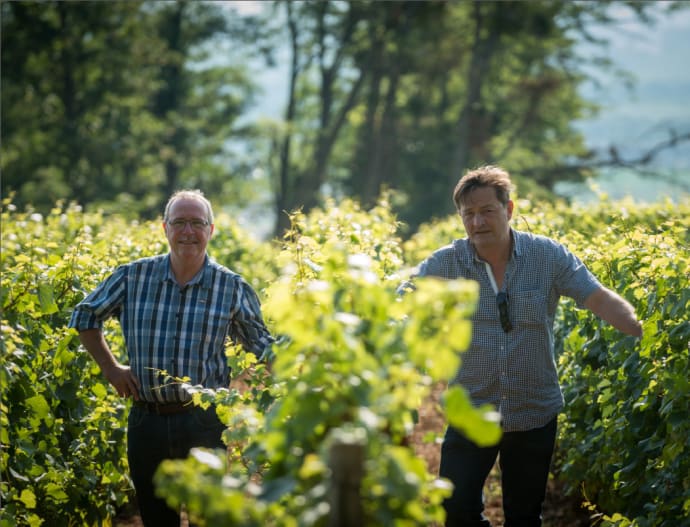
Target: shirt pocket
point(528, 307)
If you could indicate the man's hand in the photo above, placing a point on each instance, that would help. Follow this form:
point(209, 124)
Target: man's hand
point(615, 310)
point(257, 376)
point(121, 377)
point(123, 380)
point(242, 382)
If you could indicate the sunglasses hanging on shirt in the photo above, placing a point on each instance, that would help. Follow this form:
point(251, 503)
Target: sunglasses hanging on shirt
point(502, 304)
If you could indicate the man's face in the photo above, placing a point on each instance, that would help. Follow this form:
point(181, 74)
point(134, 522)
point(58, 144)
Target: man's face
point(485, 218)
point(188, 230)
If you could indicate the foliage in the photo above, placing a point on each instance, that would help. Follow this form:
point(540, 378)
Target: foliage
point(628, 402)
point(344, 226)
point(116, 104)
point(624, 436)
point(62, 427)
point(238, 250)
point(353, 359)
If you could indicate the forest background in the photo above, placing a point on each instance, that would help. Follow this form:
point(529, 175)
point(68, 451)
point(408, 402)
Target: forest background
point(271, 106)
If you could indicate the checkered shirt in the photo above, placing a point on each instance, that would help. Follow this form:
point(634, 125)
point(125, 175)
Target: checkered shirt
point(515, 371)
point(180, 330)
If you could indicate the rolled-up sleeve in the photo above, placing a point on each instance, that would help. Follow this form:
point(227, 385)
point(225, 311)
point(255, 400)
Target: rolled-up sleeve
point(103, 303)
point(573, 278)
point(248, 327)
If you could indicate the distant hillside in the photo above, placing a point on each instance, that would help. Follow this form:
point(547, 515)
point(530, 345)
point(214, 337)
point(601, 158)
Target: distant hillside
point(621, 183)
point(636, 118)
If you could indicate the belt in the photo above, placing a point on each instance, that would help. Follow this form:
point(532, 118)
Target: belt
point(165, 408)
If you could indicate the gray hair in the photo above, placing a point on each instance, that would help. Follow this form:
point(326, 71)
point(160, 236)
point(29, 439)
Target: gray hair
point(195, 195)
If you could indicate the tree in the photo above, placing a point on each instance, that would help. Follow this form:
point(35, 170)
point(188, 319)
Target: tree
point(118, 103)
point(503, 87)
point(197, 99)
point(397, 32)
point(322, 37)
point(69, 91)
point(497, 89)
point(410, 94)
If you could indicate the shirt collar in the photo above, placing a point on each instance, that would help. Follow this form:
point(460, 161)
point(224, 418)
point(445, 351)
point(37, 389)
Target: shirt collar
point(203, 277)
point(469, 253)
point(518, 242)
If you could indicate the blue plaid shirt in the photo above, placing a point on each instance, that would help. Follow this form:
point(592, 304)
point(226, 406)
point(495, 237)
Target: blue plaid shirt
point(515, 371)
point(180, 330)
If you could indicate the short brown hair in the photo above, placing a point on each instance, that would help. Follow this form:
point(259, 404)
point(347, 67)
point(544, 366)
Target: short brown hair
point(485, 176)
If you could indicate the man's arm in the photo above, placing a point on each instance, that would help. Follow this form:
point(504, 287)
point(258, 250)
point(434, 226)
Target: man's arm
point(615, 310)
point(121, 377)
point(248, 327)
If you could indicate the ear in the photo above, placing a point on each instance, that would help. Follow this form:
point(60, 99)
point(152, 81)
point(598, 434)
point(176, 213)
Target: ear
point(212, 228)
point(509, 209)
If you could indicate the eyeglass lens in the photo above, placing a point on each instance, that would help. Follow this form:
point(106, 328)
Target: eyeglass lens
point(180, 224)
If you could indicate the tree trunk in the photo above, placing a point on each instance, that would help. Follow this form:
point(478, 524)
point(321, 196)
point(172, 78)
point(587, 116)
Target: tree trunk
point(483, 50)
point(168, 101)
point(282, 223)
point(302, 189)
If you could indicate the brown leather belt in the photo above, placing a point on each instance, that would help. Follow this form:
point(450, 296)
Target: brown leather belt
point(165, 408)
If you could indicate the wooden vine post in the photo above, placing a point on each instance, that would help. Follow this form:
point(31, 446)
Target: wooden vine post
point(347, 469)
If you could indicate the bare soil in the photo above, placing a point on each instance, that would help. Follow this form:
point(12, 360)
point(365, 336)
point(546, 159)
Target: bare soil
point(559, 510)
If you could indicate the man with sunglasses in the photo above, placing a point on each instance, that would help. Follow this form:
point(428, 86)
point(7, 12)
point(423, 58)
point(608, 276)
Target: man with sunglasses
point(510, 362)
point(176, 311)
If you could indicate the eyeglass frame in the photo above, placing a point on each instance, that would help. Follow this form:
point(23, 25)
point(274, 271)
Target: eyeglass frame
point(196, 224)
point(504, 317)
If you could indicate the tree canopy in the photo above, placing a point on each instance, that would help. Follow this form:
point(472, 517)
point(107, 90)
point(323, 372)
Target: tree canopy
point(117, 104)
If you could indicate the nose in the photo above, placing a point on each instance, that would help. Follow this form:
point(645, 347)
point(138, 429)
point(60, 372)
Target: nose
point(478, 219)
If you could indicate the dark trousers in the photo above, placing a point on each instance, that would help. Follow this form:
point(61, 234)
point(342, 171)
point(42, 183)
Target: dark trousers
point(151, 438)
point(524, 459)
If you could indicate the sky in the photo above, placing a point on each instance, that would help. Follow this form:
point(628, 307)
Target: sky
point(658, 58)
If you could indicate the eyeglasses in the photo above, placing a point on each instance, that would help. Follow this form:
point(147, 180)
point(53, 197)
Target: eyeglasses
point(502, 304)
point(180, 224)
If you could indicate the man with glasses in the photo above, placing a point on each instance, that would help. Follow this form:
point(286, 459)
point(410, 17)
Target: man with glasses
point(176, 311)
point(510, 362)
